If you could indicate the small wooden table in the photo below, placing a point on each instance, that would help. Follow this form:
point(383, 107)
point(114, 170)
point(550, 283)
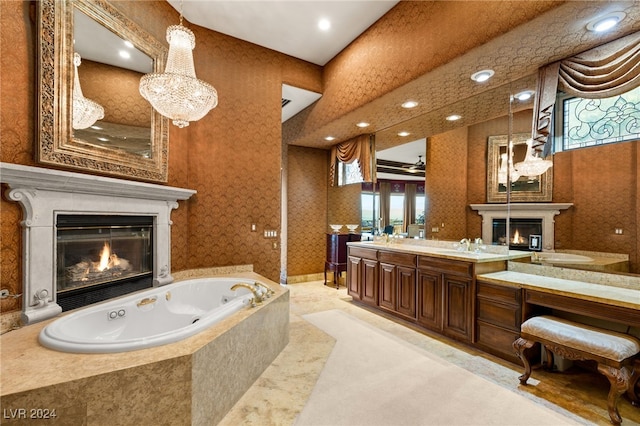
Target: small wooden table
point(336, 260)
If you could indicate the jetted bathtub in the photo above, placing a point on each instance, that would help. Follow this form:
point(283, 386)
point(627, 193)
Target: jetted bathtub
point(150, 318)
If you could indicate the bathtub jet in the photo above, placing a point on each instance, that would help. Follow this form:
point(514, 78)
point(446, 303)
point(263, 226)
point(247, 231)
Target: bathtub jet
point(151, 318)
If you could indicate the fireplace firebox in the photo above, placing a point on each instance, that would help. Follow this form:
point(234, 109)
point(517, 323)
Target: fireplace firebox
point(520, 229)
point(99, 257)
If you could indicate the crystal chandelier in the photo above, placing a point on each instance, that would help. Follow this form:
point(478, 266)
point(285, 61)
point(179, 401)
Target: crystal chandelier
point(532, 164)
point(502, 172)
point(177, 93)
point(85, 111)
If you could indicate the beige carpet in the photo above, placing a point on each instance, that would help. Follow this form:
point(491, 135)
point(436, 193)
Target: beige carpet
point(372, 378)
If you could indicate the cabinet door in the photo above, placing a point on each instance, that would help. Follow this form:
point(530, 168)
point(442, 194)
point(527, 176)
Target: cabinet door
point(429, 309)
point(370, 281)
point(458, 307)
point(354, 277)
point(406, 282)
point(387, 286)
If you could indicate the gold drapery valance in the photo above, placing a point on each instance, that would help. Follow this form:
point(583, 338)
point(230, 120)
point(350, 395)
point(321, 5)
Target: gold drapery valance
point(602, 72)
point(358, 148)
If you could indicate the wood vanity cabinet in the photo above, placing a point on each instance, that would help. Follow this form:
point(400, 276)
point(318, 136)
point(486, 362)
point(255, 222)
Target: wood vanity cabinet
point(498, 318)
point(397, 292)
point(445, 297)
point(362, 275)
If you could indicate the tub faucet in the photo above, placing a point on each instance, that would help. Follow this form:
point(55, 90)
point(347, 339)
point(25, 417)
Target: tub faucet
point(267, 291)
point(257, 297)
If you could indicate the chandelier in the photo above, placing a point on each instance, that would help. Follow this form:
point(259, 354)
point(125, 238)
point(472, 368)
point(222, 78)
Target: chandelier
point(177, 93)
point(532, 164)
point(85, 111)
point(502, 171)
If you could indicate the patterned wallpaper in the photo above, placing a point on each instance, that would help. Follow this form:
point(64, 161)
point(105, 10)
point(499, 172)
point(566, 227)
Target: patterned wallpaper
point(116, 89)
point(307, 173)
point(446, 185)
point(232, 157)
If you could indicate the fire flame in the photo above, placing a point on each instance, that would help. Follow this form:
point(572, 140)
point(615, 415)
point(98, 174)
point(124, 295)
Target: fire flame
point(517, 239)
point(105, 256)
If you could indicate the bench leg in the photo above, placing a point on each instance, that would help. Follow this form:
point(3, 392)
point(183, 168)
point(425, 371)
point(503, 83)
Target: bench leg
point(619, 380)
point(520, 346)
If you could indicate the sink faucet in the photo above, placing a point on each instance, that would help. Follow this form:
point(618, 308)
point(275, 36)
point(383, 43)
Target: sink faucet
point(257, 297)
point(466, 242)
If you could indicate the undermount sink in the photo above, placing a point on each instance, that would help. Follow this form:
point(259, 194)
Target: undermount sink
point(563, 258)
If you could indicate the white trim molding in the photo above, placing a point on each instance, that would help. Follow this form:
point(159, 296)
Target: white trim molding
point(544, 211)
point(45, 193)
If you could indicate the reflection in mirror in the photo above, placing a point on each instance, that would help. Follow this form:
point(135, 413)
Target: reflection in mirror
point(499, 168)
point(132, 139)
point(111, 71)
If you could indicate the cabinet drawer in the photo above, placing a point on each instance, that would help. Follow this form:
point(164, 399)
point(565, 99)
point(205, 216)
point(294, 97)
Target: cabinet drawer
point(363, 253)
point(507, 316)
point(496, 340)
point(394, 258)
point(499, 292)
point(450, 266)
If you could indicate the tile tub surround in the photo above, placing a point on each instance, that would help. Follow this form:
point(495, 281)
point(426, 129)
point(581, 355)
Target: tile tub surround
point(194, 381)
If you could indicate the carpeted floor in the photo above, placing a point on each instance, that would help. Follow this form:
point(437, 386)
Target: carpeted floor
point(372, 378)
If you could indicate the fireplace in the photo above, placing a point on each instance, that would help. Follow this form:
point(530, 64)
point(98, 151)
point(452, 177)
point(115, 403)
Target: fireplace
point(528, 213)
point(524, 233)
point(47, 195)
point(99, 257)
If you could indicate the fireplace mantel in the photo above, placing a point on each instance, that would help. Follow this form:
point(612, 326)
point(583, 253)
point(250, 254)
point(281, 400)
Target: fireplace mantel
point(45, 193)
point(544, 211)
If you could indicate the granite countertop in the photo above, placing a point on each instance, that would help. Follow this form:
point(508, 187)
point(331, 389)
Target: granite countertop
point(612, 295)
point(441, 252)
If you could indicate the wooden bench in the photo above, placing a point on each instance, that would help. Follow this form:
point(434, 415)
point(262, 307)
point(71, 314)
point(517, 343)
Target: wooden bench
point(615, 353)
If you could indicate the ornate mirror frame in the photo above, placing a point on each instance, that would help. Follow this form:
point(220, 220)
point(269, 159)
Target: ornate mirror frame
point(521, 191)
point(56, 145)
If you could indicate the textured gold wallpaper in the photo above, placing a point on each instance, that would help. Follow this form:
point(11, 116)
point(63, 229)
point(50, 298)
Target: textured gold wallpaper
point(232, 157)
point(307, 173)
point(446, 185)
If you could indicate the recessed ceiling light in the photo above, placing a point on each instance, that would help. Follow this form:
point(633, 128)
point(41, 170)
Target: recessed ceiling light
point(454, 117)
point(525, 95)
point(324, 24)
point(410, 104)
point(124, 54)
point(362, 124)
point(403, 134)
point(606, 22)
point(482, 76)
point(329, 138)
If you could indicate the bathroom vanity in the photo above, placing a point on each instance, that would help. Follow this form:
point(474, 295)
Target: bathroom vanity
point(432, 287)
point(477, 298)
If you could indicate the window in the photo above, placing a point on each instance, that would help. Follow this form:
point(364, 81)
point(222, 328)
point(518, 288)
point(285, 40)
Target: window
point(396, 209)
point(420, 200)
point(370, 207)
point(590, 122)
point(349, 173)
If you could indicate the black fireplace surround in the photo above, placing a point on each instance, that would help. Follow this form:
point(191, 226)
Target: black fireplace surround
point(99, 257)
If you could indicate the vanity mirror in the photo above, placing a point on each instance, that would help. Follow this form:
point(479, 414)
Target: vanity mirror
point(523, 188)
point(132, 139)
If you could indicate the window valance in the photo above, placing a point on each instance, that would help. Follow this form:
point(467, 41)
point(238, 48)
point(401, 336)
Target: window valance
point(602, 72)
point(358, 148)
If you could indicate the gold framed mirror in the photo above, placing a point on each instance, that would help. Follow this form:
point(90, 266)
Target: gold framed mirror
point(132, 139)
point(523, 188)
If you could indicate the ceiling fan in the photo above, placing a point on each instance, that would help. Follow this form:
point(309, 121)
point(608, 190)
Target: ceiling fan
point(418, 165)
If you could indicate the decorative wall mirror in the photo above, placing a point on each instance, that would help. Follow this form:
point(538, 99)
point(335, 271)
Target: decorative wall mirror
point(132, 139)
point(523, 188)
